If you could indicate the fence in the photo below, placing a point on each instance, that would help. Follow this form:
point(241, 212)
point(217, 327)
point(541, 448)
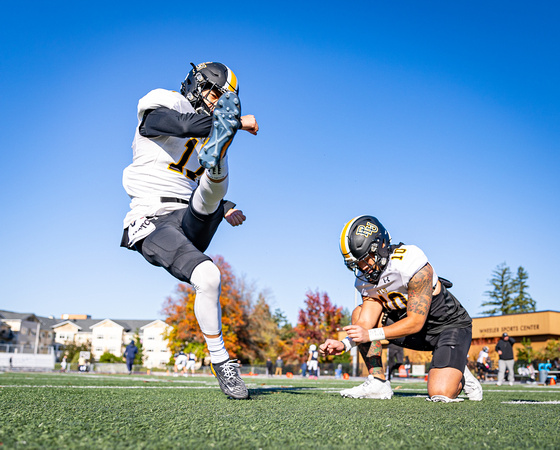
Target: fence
point(27, 361)
point(25, 348)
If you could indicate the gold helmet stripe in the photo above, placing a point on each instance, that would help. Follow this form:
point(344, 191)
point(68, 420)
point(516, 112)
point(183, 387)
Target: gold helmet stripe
point(232, 81)
point(344, 241)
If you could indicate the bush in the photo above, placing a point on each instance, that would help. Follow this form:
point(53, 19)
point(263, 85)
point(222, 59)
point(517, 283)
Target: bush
point(109, 358)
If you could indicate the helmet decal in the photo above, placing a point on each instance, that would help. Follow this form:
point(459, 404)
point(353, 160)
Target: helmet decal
point(367, 230)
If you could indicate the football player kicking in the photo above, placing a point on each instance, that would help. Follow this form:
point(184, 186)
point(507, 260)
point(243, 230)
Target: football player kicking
point(406, 303)
point(177, 181)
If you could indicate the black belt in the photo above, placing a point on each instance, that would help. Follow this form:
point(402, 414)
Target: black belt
point(173, 200)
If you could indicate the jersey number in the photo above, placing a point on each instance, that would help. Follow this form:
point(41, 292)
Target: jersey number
point(180, 166)
point(396, 300)
point(398, 253)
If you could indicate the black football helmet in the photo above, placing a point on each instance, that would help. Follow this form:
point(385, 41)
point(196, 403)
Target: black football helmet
point(209, 75)
point(364, 237)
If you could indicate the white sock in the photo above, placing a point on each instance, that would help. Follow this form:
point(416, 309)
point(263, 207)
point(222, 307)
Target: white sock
point(209, 194)
point(217, 349)
point(220, 171)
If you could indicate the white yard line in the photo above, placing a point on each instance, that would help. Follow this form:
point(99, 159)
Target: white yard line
point(520, 402)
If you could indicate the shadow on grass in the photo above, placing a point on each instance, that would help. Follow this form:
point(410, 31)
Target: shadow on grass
point(306, 390)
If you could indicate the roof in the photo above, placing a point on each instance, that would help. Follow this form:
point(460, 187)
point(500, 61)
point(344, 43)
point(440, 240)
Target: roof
point(129, 325)
point(17, 316)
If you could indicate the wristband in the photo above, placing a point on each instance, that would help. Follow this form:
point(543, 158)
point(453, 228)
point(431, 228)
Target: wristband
point(348, 343)
point(376, 334)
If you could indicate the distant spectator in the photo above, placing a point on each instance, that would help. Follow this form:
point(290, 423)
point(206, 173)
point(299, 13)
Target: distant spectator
point(304, 368)
point(269, 367)
point(407, 366)
point(129, 355)
point(395, 359)
point(338, 371)
point(504, 347)
point(482, 366)
point(313, 361)
point(279, 365)
point(191, 362)
point(181, 360)
point(63, 364)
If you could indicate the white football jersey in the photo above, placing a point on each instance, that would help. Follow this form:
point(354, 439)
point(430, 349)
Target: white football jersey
point(164, 166)
point(181, 359)
point(392, 288)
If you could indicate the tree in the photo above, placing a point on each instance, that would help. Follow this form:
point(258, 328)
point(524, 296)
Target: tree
point(139, 358)
point(248, 327)
point(501, 296)
point(509, 295)
point(522, 301)
point(108, 357)
point(72, 350)
point(319, 321)
point(526, 352)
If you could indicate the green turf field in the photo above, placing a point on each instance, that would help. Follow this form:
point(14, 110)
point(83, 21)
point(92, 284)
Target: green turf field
point(103, 411)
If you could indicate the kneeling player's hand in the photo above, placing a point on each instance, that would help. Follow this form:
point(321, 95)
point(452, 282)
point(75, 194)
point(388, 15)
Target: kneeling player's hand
point(235, 217)
point(331, 347)
point(357, 333)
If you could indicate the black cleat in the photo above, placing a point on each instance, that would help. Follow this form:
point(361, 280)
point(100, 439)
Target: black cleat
point(229, 379)
point(226, 121)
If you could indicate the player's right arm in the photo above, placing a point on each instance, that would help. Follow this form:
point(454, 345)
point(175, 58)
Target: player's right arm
point(370, 314)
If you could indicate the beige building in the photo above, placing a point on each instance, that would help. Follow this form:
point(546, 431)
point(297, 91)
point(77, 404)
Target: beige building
point(156, 350)
point(539, 327)
point(110, 335)
point(26, 332)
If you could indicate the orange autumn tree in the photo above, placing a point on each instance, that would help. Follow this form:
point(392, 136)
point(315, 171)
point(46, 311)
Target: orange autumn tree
point(239, 314)
point(318, 322)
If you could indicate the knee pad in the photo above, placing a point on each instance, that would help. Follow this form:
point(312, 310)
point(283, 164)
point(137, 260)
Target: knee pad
point(206, 282)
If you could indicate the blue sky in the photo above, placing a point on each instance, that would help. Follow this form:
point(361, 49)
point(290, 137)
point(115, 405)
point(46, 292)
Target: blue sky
point(440, 118)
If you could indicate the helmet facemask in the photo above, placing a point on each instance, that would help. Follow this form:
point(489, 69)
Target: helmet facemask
point(380, 256)
point(362, 239)
point(205, 77)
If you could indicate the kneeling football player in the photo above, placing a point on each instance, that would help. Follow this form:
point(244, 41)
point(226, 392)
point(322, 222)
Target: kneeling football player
point(405, 302)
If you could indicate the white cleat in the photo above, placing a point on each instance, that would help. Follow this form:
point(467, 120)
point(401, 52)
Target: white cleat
point(443, 399)
point(371, 388)
point(472, 386)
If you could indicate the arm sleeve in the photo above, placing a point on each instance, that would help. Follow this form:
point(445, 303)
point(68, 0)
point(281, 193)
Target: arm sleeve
point(168, 122)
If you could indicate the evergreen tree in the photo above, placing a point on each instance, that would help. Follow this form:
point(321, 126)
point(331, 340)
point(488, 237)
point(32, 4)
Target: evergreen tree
point(509, 295)
point(501, 295)
point(522, 301)
point(139, 358)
